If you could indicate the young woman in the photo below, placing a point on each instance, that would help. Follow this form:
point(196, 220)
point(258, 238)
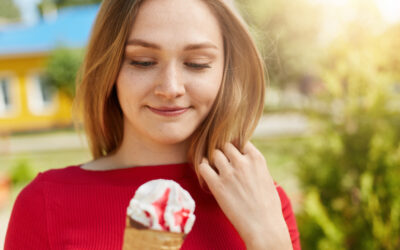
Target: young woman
point(170, 89)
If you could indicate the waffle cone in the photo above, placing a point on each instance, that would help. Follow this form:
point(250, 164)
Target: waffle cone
point(136, 238)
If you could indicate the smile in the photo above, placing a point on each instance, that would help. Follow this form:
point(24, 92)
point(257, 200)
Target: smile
point(168, 111)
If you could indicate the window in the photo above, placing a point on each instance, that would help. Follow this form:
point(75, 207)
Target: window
point(5, 95)
point(42, 98)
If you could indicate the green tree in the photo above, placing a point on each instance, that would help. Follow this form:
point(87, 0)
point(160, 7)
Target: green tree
point(64, 3)
point(350, 174)
point(62, 69)
point(49, 5)
point(9, 11)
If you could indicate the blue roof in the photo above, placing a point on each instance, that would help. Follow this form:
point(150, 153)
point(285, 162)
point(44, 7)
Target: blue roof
point(70, 28)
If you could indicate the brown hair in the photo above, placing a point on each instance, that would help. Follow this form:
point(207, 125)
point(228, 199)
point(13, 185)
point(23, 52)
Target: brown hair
point(238, 105)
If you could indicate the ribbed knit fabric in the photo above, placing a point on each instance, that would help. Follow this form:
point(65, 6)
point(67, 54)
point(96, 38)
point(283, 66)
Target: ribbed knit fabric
point(72, 208)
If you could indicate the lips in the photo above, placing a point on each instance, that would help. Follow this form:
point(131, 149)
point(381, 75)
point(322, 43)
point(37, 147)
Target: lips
point(169, 111)
point(168, 108)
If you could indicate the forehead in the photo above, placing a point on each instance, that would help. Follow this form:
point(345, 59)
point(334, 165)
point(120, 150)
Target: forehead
point(176, 22)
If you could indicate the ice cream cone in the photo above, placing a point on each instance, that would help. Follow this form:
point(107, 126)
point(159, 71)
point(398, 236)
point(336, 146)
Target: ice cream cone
point(137, 237)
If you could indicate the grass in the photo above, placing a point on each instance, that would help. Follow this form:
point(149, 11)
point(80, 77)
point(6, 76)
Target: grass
point(41, 161)
point(38, 133)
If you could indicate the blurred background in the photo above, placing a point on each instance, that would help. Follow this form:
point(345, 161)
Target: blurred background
point(331, 125)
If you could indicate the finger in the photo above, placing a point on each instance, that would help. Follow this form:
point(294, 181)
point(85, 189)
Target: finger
point(249, 148)
point(221, 162)
point(208, 173)
point(231, 153)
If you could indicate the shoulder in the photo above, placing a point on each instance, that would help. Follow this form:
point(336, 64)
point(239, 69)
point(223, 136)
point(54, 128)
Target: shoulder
point(286, 204)
point(289, 217)
point(34, 190)
point(59, 175)
point(285, 201)
point(29, 215)
point(29, 218)
point(51, 173)
point(33, 195)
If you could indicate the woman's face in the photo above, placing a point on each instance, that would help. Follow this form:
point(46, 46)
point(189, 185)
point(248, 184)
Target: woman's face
point(172, 70)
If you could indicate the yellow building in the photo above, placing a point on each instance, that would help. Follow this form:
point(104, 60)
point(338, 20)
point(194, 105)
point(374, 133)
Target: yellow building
point(25, 102)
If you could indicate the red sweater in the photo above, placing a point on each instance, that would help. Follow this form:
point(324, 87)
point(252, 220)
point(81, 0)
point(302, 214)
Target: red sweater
point(72, 208)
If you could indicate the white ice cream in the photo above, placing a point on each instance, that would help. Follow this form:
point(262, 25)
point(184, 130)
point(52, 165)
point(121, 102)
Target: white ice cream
point(163, 205)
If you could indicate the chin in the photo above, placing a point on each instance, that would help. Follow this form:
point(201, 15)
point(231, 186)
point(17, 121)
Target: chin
point(171, 139)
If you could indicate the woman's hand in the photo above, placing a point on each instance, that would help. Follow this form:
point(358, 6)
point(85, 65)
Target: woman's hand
point(246, 193)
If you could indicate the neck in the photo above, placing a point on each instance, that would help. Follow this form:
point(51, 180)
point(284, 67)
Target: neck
point(139, 151)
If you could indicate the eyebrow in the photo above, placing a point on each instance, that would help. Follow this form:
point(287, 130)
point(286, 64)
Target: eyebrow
point(142, 43)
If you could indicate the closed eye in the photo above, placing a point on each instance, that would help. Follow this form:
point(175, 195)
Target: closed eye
point(142, 64)
point(197, 66)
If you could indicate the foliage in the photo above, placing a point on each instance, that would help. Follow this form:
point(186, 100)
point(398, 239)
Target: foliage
point(288, 35)
point(49, 5)
point(350, 174)
point(64, 3)
point(21, 172)
point(9, 11)
point(62, 68)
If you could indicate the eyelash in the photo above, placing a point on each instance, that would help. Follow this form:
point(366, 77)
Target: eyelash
point(147, 64)
point(198, 66)
point(142, 64)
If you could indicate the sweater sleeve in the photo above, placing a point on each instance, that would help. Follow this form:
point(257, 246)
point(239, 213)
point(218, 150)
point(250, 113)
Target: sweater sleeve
point(289, 218)
point(27, 228)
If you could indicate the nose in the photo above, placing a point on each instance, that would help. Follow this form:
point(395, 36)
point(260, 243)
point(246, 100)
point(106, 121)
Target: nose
point(170, 85)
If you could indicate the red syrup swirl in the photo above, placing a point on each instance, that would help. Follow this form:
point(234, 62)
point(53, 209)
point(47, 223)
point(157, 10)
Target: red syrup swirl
point(149, 217)
point(160, 206)
point(180, 216)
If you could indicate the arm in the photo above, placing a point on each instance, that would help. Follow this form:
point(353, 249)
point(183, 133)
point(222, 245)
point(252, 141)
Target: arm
point(290, 218)
point(27, 228)
point(245, 191)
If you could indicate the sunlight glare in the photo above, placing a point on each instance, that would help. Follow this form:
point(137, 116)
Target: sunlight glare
point(390, 10)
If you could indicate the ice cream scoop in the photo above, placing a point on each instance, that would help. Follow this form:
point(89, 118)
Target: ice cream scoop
point(159, 216)
point(163, 205)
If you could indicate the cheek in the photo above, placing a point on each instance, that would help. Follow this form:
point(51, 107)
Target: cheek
point(131, 85)
point(211, 84)
point(204, 91)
